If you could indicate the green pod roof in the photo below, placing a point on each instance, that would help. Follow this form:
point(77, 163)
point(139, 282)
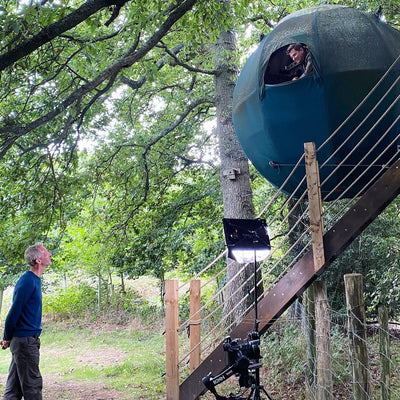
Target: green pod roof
point(274, 116)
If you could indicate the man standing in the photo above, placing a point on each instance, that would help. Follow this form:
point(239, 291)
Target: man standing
point(23, 328)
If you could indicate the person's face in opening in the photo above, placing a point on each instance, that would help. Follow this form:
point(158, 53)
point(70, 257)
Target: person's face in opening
point(297, 55)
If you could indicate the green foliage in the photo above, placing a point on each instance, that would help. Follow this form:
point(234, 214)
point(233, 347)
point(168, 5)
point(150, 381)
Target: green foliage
point(375, 255)
point(71, 303)
point(384, 288)
point(210, 307)
point(284, 351)
point(144, 197)
point(339, 347)
point(130, 304)
point(77, 302)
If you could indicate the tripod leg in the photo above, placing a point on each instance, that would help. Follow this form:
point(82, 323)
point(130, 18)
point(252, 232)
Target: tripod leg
point(254, 394)
point(251, 395)
point(266, 393)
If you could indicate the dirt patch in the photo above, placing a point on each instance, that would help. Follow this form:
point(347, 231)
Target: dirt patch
point(73, 390)
point(89, 358)
point(60, 382)
point(60, 389)
point(56, 386)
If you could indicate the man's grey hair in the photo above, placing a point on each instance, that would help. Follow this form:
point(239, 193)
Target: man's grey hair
point(32, 253)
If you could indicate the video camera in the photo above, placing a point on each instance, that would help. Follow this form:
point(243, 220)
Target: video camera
point(250, 348)
point(243, 361)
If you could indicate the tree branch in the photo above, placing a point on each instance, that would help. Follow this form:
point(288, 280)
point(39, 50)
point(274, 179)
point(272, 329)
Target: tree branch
point(179, 120)
point(187, 66)
point(146, 150)
point(131, 57)
point(50, 32)
point(136, 84)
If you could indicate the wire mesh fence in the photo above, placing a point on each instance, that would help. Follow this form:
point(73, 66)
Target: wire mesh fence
point(286, 372)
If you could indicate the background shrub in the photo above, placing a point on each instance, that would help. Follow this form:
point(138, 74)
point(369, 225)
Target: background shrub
point(72, 302)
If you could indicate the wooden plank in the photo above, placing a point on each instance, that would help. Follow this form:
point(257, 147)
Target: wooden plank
point(315, 204)
point(311, 346)
point(293, 284)
point(171, 339)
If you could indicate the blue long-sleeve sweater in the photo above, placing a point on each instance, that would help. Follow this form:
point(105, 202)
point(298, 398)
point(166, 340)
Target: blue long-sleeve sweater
point(25, 315)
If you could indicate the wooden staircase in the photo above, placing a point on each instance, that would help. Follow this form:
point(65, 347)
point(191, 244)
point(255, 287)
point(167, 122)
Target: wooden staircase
point(303, 273)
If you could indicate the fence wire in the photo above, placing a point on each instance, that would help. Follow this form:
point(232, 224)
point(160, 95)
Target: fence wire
point(286, 368)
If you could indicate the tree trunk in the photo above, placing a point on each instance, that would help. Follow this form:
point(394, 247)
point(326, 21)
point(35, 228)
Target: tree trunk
point(110, 279)
point(99, 297)
point(1, 298)
point(122, 283)
point(162, 290)
point(235, 177)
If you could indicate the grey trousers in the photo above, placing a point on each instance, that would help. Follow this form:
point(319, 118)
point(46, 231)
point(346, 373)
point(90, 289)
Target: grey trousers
point(24, 378)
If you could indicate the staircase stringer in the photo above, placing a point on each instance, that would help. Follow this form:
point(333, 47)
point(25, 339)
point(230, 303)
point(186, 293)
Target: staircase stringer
point(300, 277)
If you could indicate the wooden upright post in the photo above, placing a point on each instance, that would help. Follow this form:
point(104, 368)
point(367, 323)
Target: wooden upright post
point(310, 333)
point(384, 351)
point(315, 204)
point(323, 328)
point(357, 335)
point(194, 324)
point(171, 339)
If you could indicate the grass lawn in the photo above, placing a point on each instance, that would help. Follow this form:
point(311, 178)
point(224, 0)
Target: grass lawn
point(112, 362)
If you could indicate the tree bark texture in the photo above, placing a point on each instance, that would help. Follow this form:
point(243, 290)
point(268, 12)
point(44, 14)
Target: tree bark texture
point(235, 182)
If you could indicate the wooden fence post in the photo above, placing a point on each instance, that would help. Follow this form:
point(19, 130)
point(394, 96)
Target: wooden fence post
point(384, 351)
point(315, 204)
point(309, 328)
point(357, 335)
point(194, 324)
point(171, 339)
point(323, 330)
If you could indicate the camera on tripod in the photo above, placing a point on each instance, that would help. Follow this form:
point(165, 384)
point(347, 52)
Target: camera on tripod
point(242, 356)
point(243, 360)
point(250, 347)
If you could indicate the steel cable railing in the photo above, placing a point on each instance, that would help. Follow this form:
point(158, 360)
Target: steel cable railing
point(281, 259)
